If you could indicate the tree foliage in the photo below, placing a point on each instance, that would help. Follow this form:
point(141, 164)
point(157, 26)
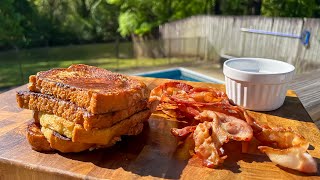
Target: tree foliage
point(241, 7)
point(30, 23)
point(141, 16)
point(289, 8)
point(11, 28)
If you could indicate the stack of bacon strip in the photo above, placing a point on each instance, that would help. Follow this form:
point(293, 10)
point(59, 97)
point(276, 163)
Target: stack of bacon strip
point(215, 121)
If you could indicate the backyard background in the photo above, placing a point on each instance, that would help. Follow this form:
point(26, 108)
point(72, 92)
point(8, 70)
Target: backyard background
point(122, 35)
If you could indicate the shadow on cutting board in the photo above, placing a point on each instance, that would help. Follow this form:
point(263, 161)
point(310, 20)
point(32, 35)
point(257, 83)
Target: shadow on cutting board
point(156, 152)
point(293, 109)
point(150, 153)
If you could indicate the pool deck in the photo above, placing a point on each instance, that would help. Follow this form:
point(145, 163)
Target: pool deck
point(208, 69)
point(307, 86)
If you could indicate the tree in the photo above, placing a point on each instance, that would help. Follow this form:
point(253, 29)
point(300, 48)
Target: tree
point(11, 30)
point(140, 17)
point(29, 23)
point(288, 8)
point(237, 7)
point(92, 20)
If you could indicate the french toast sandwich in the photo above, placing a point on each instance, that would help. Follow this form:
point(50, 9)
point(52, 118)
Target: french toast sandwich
point(97, 90)
point(83, 107)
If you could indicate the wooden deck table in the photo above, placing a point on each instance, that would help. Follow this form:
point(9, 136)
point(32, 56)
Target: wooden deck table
point(151, 155)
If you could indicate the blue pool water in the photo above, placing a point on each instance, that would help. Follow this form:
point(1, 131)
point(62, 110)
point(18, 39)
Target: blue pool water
point(180, 74)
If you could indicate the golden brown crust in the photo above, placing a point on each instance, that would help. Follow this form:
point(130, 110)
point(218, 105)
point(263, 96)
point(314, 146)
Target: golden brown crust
point(73, 113)
point(66, 145)
point(45, 140)
point(96, 89)
point(63, 144)
point(104, 136)
point(130, 126)
point(36, 139)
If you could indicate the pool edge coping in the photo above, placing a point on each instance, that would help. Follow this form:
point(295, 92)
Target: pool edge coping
point(183, 70)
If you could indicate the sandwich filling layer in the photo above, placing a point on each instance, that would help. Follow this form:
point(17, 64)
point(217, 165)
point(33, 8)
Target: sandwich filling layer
point(63, 144)
point(77, 133)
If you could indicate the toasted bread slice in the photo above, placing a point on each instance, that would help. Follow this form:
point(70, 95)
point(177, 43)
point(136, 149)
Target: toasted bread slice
point(97, 90)
point(66, 145)
point(63, 144)
point(44, 139)
point(73, 113)
point(36, 138)
point(130, 126)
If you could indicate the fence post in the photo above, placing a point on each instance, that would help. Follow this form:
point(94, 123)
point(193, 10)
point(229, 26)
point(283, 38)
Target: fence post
point(209, 48)
point(198, 47)
point(117, 53)
point(156, 44)
point(139, 44)
point(169, 60)
point(184, 49)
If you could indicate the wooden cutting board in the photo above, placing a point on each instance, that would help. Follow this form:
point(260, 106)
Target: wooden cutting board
point(153, 154)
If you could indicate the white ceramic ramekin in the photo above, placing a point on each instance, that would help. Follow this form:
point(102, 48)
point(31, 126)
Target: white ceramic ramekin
point(256, 83)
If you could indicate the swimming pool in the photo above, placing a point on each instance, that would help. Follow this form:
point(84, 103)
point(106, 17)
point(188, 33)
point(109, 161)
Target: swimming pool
point(180, 74)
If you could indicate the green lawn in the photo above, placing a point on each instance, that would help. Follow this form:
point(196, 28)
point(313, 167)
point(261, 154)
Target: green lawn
point(17, 66)
point(13, 74)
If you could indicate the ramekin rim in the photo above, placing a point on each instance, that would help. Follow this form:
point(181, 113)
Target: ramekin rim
point(257, 73)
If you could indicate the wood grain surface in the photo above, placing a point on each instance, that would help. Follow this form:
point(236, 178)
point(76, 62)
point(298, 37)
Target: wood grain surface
point(153, 154)
point(307, 88)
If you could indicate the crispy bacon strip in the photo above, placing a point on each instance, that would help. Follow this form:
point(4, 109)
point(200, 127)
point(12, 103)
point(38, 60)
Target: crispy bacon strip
point(215, 130)
point(209, 138)
point(168, 88)
point(287, 149)
point(294, 158)
point(183, 132)
point(219, 121)
point(236, 129)
point(177, 92)
point(281, 138)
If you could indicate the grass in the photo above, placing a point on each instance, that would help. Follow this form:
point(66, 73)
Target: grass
point(67, 53)
point(17, 66)
point(14, 74)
